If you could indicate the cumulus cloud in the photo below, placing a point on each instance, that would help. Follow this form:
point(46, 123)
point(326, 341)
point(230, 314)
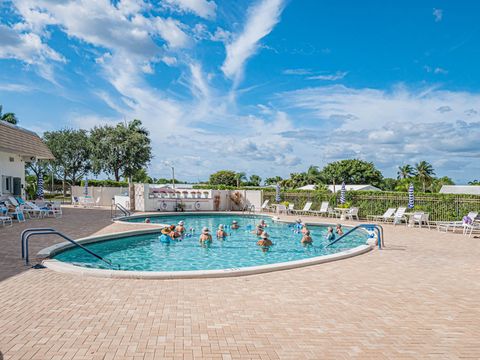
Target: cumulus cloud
point(261, 20)
point(438, 15)
point(203, 8)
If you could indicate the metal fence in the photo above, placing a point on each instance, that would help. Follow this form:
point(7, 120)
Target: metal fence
point(441, 207)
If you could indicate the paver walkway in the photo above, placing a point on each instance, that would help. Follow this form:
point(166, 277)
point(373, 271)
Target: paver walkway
point(417, 299)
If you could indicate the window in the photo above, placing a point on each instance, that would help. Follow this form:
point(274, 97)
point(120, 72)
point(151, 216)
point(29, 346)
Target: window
point(7, 184)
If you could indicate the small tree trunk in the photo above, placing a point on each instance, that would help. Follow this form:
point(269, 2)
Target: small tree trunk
point(131, 192)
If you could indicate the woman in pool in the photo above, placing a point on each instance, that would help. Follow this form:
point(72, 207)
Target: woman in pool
point(339, 230)
point(221, 233)
point(330, 235)
point(234, 225)
point(263, 224)
point(304, 228)
point(258, 231)
point(180, 229)
point(307, 239)
point(147, 221)
point(264, 242)
point(205, 237)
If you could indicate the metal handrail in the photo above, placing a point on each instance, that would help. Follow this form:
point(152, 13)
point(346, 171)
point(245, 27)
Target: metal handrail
point(374, 227)
point(121, 208)
point(54, 232)
point(24, 232)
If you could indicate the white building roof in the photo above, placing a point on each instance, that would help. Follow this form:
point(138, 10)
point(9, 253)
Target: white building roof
point(307, 187)
point(460, 189)
point(364, 187)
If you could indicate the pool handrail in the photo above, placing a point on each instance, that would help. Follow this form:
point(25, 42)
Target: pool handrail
point(24, 232)
point(371, 227)
point(36, 232)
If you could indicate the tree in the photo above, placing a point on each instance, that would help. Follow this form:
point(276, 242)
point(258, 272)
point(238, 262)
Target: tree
point(439, 182)
point(313, 175)
point(141, 176)
point(223, 177)
point(405, 172)
point(120, 150)
point(239, 177)
point(352, 172)
point(71, 149)
point(424, 172)
point(389, 184)
point(8, 117)
point(255, 180)
point(273, 180)
point(474, 182)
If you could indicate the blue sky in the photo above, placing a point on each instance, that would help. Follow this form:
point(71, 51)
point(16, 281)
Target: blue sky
point(268, 87)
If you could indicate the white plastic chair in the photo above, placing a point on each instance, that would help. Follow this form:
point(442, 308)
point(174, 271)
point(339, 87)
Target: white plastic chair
point(400, 216)
point(420, 218)
point(323, 209)
point(352, 213)
point(388, 215)
point(305, 209)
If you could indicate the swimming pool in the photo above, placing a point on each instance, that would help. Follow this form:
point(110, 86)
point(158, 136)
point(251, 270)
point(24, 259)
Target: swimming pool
point(144, 252)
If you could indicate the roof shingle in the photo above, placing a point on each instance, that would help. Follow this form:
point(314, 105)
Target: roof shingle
point(17, 140)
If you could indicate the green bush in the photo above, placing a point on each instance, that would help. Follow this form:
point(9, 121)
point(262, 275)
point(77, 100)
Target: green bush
point(109, 183)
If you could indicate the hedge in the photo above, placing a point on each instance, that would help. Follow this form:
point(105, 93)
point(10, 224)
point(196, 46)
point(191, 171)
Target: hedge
point(441, 207)
point(110, 183)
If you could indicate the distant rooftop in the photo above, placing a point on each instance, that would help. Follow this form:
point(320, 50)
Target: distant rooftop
point(338, 187)
point(460, 189)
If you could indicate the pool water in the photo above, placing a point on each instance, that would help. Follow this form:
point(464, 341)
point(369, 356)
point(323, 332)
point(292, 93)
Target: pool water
point(146, 253)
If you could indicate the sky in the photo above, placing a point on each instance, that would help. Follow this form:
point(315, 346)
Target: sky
point(267, 87)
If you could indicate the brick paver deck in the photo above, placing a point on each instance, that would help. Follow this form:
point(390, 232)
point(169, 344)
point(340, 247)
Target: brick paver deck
point(417, 299)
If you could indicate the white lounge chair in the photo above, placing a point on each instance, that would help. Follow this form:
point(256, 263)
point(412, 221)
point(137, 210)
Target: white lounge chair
point(470, 228)
point(399, 216)
point(305, 209)
point(352, 213)
point(265, 206)
point(33, 209)
point(281, 209)
point(290, 208)
point(323, 209)
point(455, 225)
point(388, 215)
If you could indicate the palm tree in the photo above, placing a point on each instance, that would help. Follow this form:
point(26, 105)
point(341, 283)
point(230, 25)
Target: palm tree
point(8, 117)
point(405, 172)
point(424, 172)
point(240, 177)
point(313, 175)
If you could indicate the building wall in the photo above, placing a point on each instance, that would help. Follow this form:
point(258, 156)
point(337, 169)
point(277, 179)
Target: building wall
point(101, 195)
point(15, 168)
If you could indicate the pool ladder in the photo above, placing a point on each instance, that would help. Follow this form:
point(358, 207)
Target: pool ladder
point(370, 227)
point(28, 233)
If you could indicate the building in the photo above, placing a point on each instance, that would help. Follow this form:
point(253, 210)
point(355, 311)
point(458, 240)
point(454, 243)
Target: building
point(18, 146)
point(460, 189)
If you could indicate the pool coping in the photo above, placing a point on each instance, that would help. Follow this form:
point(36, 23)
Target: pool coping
point(70, 268)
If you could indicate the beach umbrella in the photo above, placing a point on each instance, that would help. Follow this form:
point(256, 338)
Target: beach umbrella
point(277, 193)
point(342, 193)
point(85, 190)
point(411, 196)
point(40, 194)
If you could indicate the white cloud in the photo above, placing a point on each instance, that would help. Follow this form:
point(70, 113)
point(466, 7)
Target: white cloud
point(297, 72)
point(260, 22)
point(203, 8)
point(329, 77)
point(438, 14)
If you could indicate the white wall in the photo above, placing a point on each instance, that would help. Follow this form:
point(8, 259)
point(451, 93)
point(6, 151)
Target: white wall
point(14, 169)
point(104, 193)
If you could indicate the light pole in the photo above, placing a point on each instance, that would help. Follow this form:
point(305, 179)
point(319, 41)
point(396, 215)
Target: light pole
point(173, 177)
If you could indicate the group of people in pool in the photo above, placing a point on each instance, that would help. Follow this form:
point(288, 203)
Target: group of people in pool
point(177, 232)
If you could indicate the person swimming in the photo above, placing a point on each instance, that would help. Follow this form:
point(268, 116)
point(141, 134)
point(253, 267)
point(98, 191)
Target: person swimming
point(304, 228)
point(221, 233)
point(258, 231)
point(180, 228)
point(307, 239)
point(165, 238)
point(205, 237)
point(330, 235)
point(147, 220)
point(339, 229)
point(234, 225)
point(263, 224)
point(264, 242)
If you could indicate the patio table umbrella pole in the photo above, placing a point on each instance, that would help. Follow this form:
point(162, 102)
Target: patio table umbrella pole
point(40, 192)
point(85, 189)
point(342, 193)
point(411, 196)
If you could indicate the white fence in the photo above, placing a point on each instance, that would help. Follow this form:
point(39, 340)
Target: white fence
point(100, 195)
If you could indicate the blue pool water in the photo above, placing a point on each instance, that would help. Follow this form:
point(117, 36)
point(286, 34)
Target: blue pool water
point(147, 253)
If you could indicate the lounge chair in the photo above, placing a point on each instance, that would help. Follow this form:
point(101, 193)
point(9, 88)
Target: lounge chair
point(56, 208)
point(290, 208)
point(281, 209)
point(323, 209)
point(454, 225)
point(352, 213)
point(333, 213)
point(6, 219)
point(31, 208)
point(388, 215)
point(470, 228)
point(305, 209)
point(265, 206)
point(399, 216)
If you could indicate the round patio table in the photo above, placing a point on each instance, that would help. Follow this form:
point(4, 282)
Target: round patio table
point(343, 212)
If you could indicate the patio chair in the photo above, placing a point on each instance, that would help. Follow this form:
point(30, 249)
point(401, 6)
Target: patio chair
point(388, 215)
point(323, 209)
point(352, 213)
point(420, 218)
point(290, 208)
point(399, 216)
point(75, 201)
point(265, 206)
point(57, 209)
point(4, 217)
point(305, 209)
point(333, 213)
point(281, 209)
point(32, 209)
point(471, 227)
